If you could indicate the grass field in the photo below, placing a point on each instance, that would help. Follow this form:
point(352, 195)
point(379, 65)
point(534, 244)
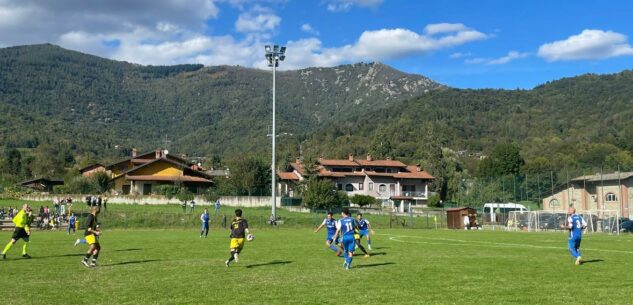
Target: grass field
point(293, 266)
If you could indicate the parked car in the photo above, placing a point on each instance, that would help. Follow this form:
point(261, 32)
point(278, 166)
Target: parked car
point(627, 226)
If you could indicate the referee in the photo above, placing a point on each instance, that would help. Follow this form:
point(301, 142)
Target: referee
point(22, 230)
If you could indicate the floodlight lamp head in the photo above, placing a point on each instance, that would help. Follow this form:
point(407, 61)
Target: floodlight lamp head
point(276, 48)
point(267, 48)
point(282, 50)
point(282, 57)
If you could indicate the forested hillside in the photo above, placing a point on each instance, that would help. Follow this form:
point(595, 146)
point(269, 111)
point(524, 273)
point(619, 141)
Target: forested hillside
point(61, 109)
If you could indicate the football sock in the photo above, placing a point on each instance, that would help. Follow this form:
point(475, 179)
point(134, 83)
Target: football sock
point(333, 248)
point(231, 258)
point(6, 249)
point(369, 242)
point(349, 260)
point(362, 248)
point(24, 247)
point(87, 256)
point(94, 257)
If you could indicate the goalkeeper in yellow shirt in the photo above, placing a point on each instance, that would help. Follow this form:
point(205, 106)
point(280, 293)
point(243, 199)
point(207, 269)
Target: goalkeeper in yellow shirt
point(22, 230)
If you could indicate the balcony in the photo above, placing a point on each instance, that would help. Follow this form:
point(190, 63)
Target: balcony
point(412, 194)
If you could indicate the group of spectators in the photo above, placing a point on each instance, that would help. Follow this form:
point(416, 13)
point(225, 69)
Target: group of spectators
point(97, 201)
point(10, 212)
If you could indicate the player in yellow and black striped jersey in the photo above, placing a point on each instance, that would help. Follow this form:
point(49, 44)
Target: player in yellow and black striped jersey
point(239, 229)
point(22, 231)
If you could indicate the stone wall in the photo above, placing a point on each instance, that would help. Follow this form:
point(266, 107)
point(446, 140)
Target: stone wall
point(236, 201)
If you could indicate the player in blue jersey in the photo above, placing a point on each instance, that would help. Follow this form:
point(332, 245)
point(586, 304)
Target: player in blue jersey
point(346, 227)
point(576, 224)
point(331, 240)
point(364, 227)
point(205, 223)
point(71, 223)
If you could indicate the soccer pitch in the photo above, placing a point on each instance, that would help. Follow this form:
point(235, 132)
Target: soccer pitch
point(284, 266)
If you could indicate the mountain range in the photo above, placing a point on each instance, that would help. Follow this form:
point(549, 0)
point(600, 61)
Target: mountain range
point(102, 108)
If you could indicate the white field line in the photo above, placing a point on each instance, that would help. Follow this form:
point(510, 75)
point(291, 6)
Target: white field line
point(461, 242)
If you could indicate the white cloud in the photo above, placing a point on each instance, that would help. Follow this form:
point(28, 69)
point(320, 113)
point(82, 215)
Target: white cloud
point(512, 55)
point(460, 55)
point(247, 22)
point(589, 44)
point(346, 5)
point(306, 27)
point(444, 28)
point(381, 44)
point(165, 32)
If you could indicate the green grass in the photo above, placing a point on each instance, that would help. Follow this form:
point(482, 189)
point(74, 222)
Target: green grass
point(293, 266)
point(128, 216)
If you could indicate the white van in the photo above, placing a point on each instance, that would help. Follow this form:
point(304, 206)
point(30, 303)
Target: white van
point(502, 208)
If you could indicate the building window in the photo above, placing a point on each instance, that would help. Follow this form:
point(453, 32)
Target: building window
point(554, 203)
point(382, 188)
point(349, 188)
point(371, 186)
point(611, 197)
point(339, 186)
point(361, 186)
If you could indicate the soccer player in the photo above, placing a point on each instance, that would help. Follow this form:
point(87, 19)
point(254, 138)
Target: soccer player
point(71, 223)
point(330, 240)
point(345, 227)
point(205, 223)
point(91, 234)
point(239, 227)
point(364, 227)
point(576, 224)
point(22, 230)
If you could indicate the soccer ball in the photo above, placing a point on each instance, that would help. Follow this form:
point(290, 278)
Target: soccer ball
point(250, 237)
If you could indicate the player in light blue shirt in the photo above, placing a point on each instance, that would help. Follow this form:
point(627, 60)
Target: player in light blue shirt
point(576, 224)
point(331, 240)
point(364, 227)
point(71, 223)
point(205, 223)
point(346, 227)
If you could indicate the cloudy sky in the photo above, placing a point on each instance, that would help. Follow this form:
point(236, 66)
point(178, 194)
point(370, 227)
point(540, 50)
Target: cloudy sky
point(466, 44)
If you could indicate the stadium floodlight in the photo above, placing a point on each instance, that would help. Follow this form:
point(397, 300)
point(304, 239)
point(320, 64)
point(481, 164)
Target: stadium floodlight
point(274, 55)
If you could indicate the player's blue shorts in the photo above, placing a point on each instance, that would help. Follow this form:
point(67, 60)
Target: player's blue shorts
point(330, 238)
point(205, 225)
point(349, 243)
point(363, 233)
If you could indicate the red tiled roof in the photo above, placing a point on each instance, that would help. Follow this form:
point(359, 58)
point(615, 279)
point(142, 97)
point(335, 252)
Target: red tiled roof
point(287, 176)
point(331, 162)
point(167, 178)
point(385, 163)
point(415, 175)
point(298, 167)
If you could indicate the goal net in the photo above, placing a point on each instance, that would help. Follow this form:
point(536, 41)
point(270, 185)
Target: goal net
point(598, 221)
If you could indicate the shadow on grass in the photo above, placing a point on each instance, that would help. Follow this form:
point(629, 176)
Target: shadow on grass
point(61, 255)
point(377, 253)
point(269, 264)
point(592, 261)
point(125, 250)
point(132, 262)
point(374, 265)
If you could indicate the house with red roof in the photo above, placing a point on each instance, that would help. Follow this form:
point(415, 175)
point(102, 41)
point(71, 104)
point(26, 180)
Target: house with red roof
point(143, 173)
point(388, 180)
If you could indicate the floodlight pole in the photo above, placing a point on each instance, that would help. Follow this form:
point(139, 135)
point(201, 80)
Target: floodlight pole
point(274, 55)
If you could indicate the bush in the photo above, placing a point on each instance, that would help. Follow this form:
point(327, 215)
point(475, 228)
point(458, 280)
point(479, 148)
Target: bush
point(184, 195)
point(362, 200)
point(320, 194)
point(169, 191)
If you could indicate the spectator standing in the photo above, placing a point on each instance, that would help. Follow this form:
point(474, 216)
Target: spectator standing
point(217, 206)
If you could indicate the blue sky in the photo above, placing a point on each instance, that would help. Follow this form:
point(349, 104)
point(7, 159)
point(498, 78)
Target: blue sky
point(466, 44)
